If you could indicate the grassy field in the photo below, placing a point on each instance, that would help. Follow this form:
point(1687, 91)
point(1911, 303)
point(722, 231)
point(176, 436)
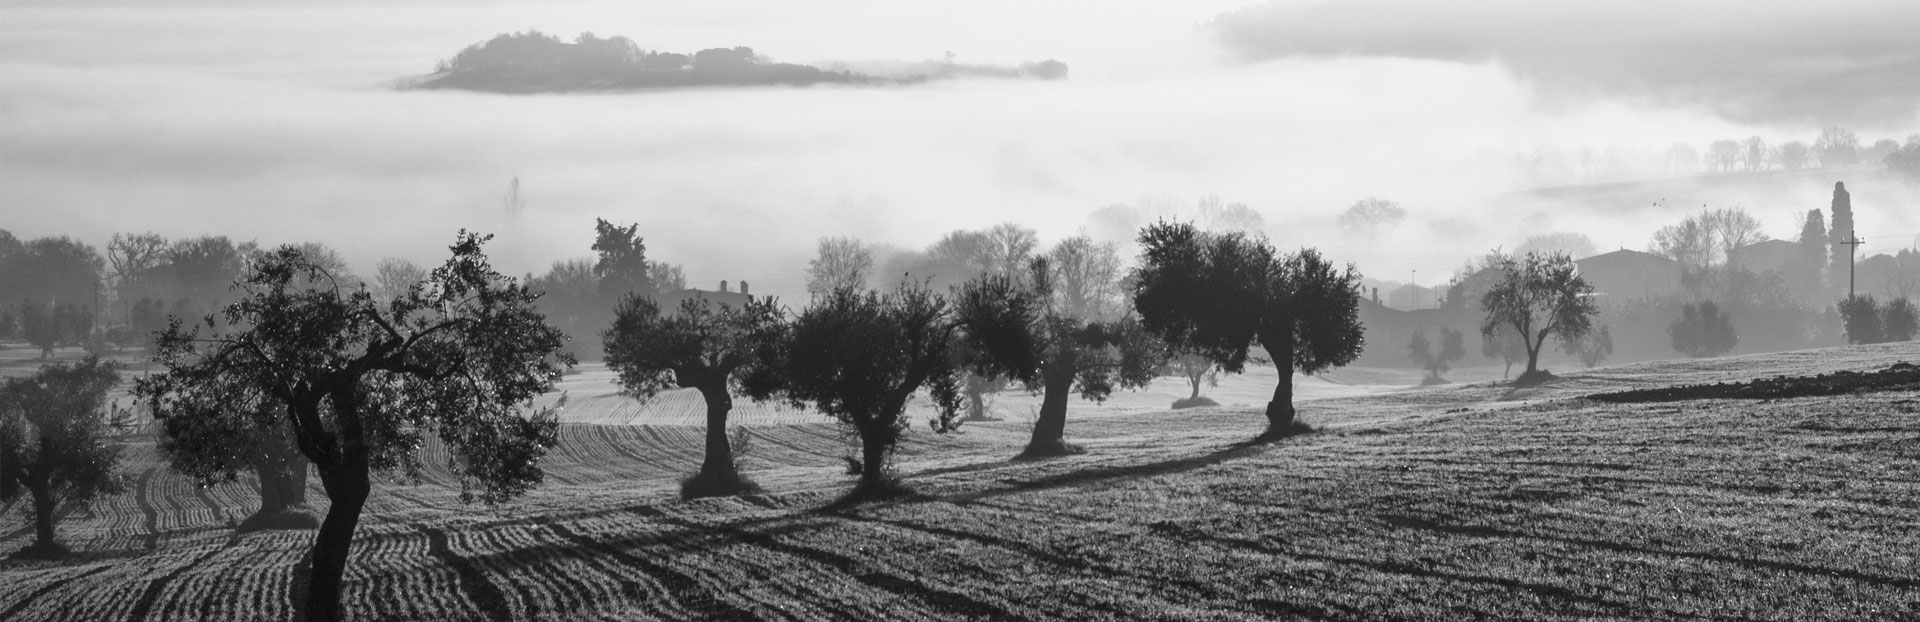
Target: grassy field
point(1467, 501)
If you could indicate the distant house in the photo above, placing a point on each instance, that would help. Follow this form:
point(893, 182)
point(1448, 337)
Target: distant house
point(1763, 257)
point(1624, 274)
point(1389, 330)
point(670, 301)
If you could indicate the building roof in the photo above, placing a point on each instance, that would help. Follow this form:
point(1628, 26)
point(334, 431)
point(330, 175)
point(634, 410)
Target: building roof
point(1622, 257)
point(1764, 256)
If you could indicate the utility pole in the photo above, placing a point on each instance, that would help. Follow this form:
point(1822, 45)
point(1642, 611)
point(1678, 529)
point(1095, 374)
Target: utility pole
point(1853, 243)
point(1413, 289)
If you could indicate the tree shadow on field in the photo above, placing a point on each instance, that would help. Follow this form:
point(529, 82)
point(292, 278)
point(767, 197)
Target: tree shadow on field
point(1096, 475)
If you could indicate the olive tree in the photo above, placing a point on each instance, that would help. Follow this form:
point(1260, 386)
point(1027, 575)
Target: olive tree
point(221, 430)
point(1219, 294)
point(1061, 348)
point(702, 345)
point(463, 354)
point(860, 357)
point(53, 442)
point(1538, 296)
point(1452, 348)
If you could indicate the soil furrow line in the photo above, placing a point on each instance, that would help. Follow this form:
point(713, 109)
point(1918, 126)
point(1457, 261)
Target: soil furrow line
point(944, 601)
point(690, 594)
point(18, 607)
point(483, 594)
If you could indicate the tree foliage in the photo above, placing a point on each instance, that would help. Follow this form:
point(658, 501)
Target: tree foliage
point(703, 345)
point(1591, 348)
point(363, 382)
point(1218, 294)
point(53, 441)
point(859, 356)
point(839, 262)
point(1703, 330)
point(1452, 348)
point(1056, 340)
point(1538, 296)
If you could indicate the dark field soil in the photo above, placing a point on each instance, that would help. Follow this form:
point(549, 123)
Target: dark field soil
point(1468, 501)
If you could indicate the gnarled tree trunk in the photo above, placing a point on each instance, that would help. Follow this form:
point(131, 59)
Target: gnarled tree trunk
point(1049, 431)
point(1280, 409)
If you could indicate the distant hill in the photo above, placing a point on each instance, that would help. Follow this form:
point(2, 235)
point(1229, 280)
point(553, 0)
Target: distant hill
point(534, 62)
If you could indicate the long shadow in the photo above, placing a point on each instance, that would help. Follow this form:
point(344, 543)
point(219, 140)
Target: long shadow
point(1477, 531)
point(1097, 475)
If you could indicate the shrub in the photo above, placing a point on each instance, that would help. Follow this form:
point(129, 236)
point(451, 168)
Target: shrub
point(1897, 322)
point(1861, 316)
point(1703, 330)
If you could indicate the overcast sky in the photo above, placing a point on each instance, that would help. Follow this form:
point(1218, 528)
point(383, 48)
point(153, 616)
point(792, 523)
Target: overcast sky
point(275, 121)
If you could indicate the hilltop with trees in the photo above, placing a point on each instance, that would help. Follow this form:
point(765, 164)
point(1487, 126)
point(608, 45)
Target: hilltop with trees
point(535, 62)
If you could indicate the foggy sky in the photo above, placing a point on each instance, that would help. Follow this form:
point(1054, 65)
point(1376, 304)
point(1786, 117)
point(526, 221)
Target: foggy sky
point(1849, 62)
point(274, 122)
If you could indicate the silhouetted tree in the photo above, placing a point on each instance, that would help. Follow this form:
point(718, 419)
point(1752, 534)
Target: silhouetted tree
point(702, 345)
point(1452, 348)
point(1722, 155)
point(1794, 155)
point(1906, 159)
point(1371, 214)
point(1703, 330)
point(393, 276)
point(205, 267)
point(137, 261)
point(1538, 296)
point(840, 262)
point(1862, 316)
point(858, 357)
point(1837, 147)
point(463, 355)
point(1217, 294)
point(1059, 345)
point(1897, 321)
point(53, 442)
point(666, 277)
point(1809, 261)
point(227, 426)
point(1195, 370)
point(1842, 211)
point(622, 263)
point(1591, 348)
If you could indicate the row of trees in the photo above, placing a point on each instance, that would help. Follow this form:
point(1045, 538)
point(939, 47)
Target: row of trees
point(1834, 146)
point(355, 383)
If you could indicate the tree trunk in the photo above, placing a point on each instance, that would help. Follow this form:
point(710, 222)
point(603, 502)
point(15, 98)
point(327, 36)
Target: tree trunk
point(272, 492)
point(873, 460)
point(976, 403)
point(282, 485)
point(719, 459)
point(43, 507)
point(1195, 381)
point(347, 488)
point(1049, 431)
point(1280, 409)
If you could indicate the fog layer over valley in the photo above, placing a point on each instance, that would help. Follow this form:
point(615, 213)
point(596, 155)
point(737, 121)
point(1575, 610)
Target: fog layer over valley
point(279, 123)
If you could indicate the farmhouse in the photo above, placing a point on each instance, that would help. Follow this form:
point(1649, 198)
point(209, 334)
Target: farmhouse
point(1763, 257)
point(669, 301)
point(1626, 274)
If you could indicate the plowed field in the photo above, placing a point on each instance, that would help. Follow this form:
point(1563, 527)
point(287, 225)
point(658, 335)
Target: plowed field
point(1469, 501)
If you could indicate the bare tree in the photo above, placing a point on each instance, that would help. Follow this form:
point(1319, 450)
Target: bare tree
point(1722, 155)
point(393, 276)
point(839, 262)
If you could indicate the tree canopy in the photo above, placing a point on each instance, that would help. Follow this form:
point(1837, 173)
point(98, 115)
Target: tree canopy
point(1218, 294)
point(363, 382)
point(1537, 296)
point(53, 441)
point(703, 345)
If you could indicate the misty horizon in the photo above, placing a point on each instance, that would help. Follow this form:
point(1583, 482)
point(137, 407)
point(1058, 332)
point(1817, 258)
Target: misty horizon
point(281, 125)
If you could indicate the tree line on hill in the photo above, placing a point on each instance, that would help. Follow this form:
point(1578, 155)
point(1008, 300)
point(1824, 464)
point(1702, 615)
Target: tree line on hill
point(302, 367)
point(537, 62)
point(1833, 147)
